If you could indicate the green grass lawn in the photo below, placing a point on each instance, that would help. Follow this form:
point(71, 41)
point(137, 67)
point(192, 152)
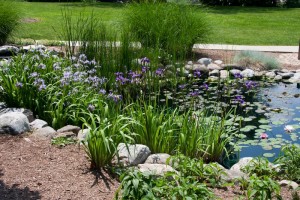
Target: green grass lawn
point(229, 25)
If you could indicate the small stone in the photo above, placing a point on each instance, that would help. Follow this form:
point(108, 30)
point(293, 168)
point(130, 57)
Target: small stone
point(69, 128)
point(44, 133)
point(235, 71)
point(159, 158)
point(286, 75)
point(37, 124)
point(199, 67)
point(247, 73)
point(188, 67)
point(155, 169)
point(278, 78)
point(291, 184)
point(224, 74)
point(65, 134)
point(214, 73)
point(233, 174)
point(270, 74)
point(204, 61)
point(190, 62)
point(82, 134)
point(295, 78)
point(8, 50)
point(33, 47)
point(259, 73)
point(14, 123)
point(213, 67)
point(218, 62)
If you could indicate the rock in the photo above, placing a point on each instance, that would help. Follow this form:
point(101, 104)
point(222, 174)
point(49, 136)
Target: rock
point(155, 169)
point(213, 67)
point(33, 48)
point(37, 124)
point(159, 158)
point(14, 123)
point(234, 174)
point(295, 78)
point(204, 61)
point(69, 128)
point(247, 73)
point(44, 133)
point(235, 71)
point(214, 73)
point(82, 134)
point(286, 75)
point(28, 113)
point(190, 62)
point(298, 71)
point(278, 78)
point(56, 51)
point(188, 67)
point(284, 71)
point(132, 154)
point(8, 50)
point(3, 62)
point(259, 74)
point(218, 62)
point(270, 74)
point(224, 74)
point(199, 67)
point(65, 134)
point(242, 163)
point(291, 184)
point(213, 79)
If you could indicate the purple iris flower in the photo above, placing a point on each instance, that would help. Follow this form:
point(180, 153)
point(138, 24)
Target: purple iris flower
point(145, 69)
point(42, 66)
point(197, 73)
point(205, 86)
point(42, 86)
point(91, 108)
point(250, 84)
point(238, 75)
point(102, 91)
point(19, 85)
point(239, 99)
point(194, 94)
point(33, 75)
point(56, 66)
point(115, 97)
point(120, 78)
point(182, 86)
point(159, 72)
point(145, 60)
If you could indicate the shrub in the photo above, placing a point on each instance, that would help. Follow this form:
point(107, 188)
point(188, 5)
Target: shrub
point(260, 167)
point(171, 27)
point(9, 19)
point(258, 60)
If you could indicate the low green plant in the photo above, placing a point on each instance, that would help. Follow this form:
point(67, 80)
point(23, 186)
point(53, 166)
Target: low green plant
point(288, 161)
point(263, 187)
point(104, 136)
point(261, 167)
point(257, 60)
point(63, 141)
point(9, 19)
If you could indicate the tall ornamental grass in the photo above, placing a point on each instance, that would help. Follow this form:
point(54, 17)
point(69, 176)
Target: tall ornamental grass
point(171, 27)
point(9, 19)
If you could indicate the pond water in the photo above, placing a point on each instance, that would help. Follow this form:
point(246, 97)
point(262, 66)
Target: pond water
point(283, 103)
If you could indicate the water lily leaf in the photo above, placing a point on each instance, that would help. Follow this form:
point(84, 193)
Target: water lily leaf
point(279, 135)
point(297, 119)
point(294, 137)
point(247, 128)
point(298, 108)
point(278, 122)
point(269, 155)
point(248, 119)
point(277, 146)
point(267, 147)
point(266, 127)
point(263, 121)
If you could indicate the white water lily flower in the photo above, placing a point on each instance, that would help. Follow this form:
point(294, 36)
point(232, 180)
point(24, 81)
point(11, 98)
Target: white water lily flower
point(289, 128)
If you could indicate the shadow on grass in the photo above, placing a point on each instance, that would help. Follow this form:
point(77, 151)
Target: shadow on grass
point(95, 5)
point(14, 192)
point(229, 10)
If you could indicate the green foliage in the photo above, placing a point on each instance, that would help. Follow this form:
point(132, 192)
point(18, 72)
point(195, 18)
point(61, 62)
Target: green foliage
point(170, 27)
point(258, 60)
point(289, 162)
point(9, 19)
point(63, 141)
point(104, 136)
point(137, 185)
point(261, 167)
point(263, 188)
point(268, 3)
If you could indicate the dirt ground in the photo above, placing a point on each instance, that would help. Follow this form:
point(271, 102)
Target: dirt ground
point(33, 169)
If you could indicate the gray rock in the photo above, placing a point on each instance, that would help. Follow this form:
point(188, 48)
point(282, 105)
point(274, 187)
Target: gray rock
point(69, 128)
point(247, 73)
point(224, 74)
point(199, 67)
point(204, 61)
point(213, 67)
point(8, 50)
point(188, 67)
point(132, 154)
point(291, 184)
point(14, 123)
point(284, 71)
point(270, 74)
point(37, 124)
point(278, 78)
point(190, 62)
point(214, 72)
point(155, 169)
point(235, 71)
point(44, 133)
point(242, 163)
point(65, 134)
point(28, 113)
point(286, 75)
point(234, 174)
point(33, 48)
point(218, 62)
point(259, 73)
point(82, 134)
point(159, 158)
point(298, 71)
point(295, 78)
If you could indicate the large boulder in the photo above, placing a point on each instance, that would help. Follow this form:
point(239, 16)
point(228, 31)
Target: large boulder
point(204, 61)
point(291, 184)
point(33, 48)
point(69, 128)
point(155, 169)
point(242, 163)
point(14, 123)
point(159, 158)
point(28, 113)
point(44, 133)
point(37, 124)
point(132, 154)
point(295, 78)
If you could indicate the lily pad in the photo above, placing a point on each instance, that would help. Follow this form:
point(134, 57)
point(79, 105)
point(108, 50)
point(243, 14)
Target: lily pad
point(266, 127)
point(277, 146)
point(263, 121)
point(247, 128)
point(279, 135)
point(278, 122)
point(297, 119)
point(267, 147)
point(269, 155)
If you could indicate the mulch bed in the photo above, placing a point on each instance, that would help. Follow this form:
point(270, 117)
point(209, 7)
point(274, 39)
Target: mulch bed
point(33, 169)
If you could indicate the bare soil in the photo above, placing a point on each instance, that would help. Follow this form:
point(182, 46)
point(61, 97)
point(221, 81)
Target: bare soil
point(33, 169)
